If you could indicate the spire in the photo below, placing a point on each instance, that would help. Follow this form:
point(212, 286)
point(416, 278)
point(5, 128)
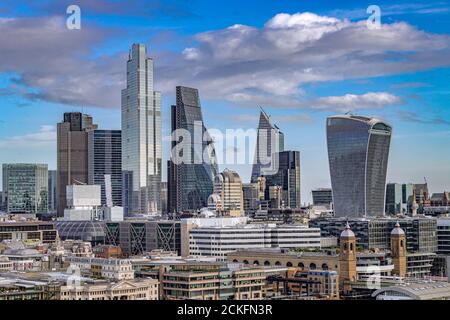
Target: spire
point(347, 233)
point(397, 231)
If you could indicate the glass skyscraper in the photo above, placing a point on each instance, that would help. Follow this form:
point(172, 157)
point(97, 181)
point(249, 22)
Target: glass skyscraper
point(105, 159)
point(190, 183)
point(288, 178)
point(270, 140)
point(25, 188)
point(358, 152)
point(141, 136)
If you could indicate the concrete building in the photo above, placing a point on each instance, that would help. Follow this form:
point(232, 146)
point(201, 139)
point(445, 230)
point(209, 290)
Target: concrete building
point(112, 269)
point(139, 289)
point(358, 152)
point(83, 203)
point(72, 153)
point(322, 197)
point(228, 188)
point(28, 231)
point(219, 241)
point(141, 135)
point(25, 188)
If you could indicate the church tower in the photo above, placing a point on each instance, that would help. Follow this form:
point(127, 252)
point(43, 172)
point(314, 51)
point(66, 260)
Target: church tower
point(347, 258)
point(398, 251)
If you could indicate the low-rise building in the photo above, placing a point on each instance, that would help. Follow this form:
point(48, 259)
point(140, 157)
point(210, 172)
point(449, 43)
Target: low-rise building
point(113, 269)
point(142, 289)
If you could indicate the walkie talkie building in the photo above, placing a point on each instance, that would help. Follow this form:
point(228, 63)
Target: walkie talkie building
point(358, 152)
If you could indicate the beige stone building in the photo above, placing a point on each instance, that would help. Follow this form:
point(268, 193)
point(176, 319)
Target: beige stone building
point(124, 290)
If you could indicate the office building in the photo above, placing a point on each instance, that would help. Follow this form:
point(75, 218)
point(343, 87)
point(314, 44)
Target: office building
point(228, 189)
point(28, 231)
point(139, 237)
point(322, 197)
point(105, 164)
point(358, 152)
point(193, 164)
point(141, 135)
point(443, 236)
point(139, 289)
point(72, 154)
point(217, 242)
point(52, 186)
point(270, 140)
point(25, 188)
point(288, 178)
point(375, 233)
point(83, 203)
point(394, 198)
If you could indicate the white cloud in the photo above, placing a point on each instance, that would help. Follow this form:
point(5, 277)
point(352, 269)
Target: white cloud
point(45, 137)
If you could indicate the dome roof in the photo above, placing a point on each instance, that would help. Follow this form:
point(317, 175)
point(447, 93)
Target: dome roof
point(397, 231)
point(347, 233)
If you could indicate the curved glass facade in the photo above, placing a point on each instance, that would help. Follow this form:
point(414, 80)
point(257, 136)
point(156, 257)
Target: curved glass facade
point(89, 231)
point(358, 152)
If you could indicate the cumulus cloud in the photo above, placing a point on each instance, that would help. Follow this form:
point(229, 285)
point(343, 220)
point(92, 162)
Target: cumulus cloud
point(46, 136)
point(270, 65)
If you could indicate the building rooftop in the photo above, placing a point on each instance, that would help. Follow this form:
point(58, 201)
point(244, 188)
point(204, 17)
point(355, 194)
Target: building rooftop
point(418, 290)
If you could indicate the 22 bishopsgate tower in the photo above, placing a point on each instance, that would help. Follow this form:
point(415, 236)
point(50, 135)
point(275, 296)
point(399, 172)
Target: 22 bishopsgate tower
point(358, 152)
point(141, 136)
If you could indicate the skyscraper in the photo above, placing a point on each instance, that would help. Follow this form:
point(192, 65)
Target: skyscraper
point(190, 182)
point(52, 187)
point(287, 177)
point(72, 153)
point(358, 152)
point(105, 159)
point(228, 188)
point(141, 135)
point(270, 140)
point(25, 188)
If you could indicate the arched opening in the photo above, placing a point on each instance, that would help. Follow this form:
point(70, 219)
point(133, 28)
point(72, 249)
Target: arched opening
point(278, 263)
point(289, 264)
point(267, 263)
point(235, 261)
point(351, 247)
point(312, 266)
point(301, 265)
point(256, 263)
point(324, 266)
point(245, 262)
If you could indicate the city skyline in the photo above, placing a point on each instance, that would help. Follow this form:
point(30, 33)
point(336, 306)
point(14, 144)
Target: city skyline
point(410, 95)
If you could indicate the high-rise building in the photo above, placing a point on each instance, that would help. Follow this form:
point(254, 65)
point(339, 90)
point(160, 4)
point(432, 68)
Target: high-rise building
point(52, 187)
point(72, 154)
point(228, 187)
point(358, 151)
point(270, 141)
point(287, 177)
point(141, 135)
point(105, 163)
point(25, 188)
point(191, 170)
point(322, 197)
point(394, 197)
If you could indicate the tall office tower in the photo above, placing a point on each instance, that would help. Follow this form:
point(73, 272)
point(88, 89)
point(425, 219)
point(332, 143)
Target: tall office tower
point(105, 162)
point(192, 170)
point(164, 198)
point(72, 154)
point(288, 178)
point(270, 140)
point(228, 186)
point(322, 197)
point(52, 187)
point(141, 136)
point(358, 152)
point(25, 188)
point(407, 197)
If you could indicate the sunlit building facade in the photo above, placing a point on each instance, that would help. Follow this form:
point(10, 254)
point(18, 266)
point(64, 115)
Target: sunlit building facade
point(141, 135)
point(358, 152)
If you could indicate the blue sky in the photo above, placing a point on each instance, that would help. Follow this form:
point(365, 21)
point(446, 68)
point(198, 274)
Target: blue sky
point(301, 60)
